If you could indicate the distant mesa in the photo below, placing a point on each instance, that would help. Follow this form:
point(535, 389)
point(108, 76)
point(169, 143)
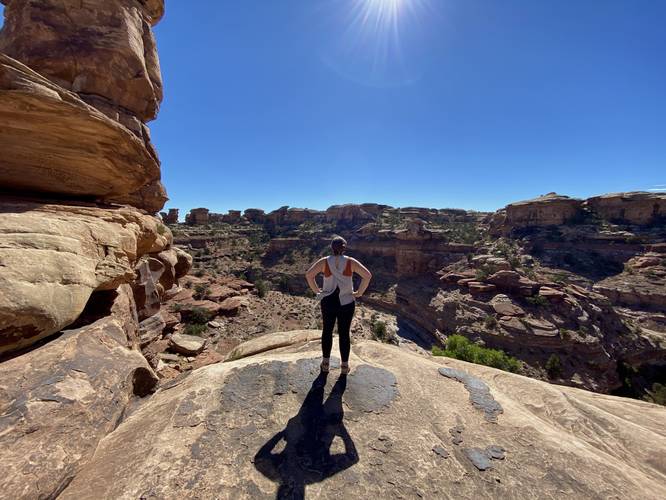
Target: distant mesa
point(552, 209)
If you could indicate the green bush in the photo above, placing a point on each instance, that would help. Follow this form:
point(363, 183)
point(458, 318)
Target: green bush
point(490, 322)
point(262, 287)
point(379, 330)
point(195, 329)
point(199, 273)
point(538, 300)
point(554, 366)
point(657, 394)
point(200, 291)
point(197, 316)
point(459, 347)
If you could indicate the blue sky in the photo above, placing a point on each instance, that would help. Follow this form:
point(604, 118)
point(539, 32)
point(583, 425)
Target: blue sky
point(438, 103)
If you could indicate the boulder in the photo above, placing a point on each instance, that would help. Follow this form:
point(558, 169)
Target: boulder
point(52, 258)
point(188, 345)
point(552, 294)
point(183, 264)
point(53, 142)
point(505, 307)
point(58, 401)
point(513, 282)
point(541, 327)
point(270, 425)
point(218, 293)
point(231, 306)
point(208, 308)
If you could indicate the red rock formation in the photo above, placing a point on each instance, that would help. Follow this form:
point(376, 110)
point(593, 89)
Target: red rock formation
point(171, 217)
point(351, 214)
point(255, 215)
point(197, 217)
point(548, 210)
point(631, 208)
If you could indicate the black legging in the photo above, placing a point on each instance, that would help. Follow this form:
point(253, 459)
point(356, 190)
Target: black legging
point(331, 310)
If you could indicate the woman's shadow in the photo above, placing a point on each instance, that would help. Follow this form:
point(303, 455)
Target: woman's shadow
point(308, 436)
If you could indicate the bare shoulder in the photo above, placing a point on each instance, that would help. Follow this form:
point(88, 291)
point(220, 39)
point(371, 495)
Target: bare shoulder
point(357, 264)
point(317, 266)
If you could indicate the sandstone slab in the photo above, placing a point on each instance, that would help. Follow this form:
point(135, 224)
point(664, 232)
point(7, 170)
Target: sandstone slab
point(59, 400)
point(188, 345)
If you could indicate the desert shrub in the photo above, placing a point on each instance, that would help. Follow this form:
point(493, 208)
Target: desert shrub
point(200, 291)
point(459, 347)
point(198, 316)
point(553, 366)
point(188, 284)
point(490, 322)
point(379, 330)
point(199, 273)
point(657, 394)
point(177, 307)
point(538, 300)
point(560, 277)
point(261, 287)
point(283, 283)
point(195, 329)
point(482, 274)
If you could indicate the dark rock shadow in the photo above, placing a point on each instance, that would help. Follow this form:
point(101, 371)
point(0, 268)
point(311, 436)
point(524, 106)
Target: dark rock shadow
point(306, 457)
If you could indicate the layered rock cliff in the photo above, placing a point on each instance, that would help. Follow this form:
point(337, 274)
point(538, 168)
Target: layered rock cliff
point(82, 259)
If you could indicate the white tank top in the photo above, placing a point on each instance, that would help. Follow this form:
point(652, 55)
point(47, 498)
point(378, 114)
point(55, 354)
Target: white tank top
point(337, 279)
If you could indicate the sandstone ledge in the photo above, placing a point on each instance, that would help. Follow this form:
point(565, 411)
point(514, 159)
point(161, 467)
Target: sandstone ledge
point(53, 142)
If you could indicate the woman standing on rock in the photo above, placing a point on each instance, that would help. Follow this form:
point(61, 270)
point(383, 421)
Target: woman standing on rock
point(337, 298)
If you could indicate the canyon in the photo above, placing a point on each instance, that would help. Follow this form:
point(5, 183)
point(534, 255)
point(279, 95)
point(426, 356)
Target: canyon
point(579, 280)
point(141, 357)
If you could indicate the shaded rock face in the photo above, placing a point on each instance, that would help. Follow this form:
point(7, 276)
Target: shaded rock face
point(104, 50)
point(53, 142)
point(271, 425)
point(59, 400)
